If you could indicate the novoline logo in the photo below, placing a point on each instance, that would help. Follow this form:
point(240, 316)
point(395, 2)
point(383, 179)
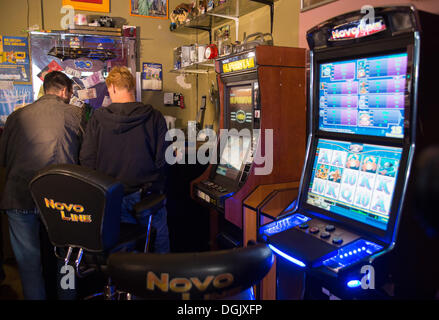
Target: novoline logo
point(184, 285)
point(357, 29)
point(66, 211)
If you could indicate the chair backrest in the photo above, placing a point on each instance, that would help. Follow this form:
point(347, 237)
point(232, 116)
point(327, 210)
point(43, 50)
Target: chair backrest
point(196, 276)
point(79, 206)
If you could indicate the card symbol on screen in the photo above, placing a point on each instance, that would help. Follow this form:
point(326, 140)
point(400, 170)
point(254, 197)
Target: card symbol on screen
point(353, 161)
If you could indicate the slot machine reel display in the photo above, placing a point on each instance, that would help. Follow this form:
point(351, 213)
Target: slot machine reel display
point(371, 112)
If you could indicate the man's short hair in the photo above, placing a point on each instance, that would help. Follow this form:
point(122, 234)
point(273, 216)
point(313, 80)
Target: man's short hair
point(121, 77)
point(56, 80)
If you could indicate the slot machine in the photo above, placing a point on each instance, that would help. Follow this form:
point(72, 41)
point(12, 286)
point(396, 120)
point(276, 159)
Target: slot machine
point(371, 111)
point(263, 88)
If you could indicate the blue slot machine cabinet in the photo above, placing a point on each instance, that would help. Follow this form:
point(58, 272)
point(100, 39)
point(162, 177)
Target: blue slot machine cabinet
point(372, 109)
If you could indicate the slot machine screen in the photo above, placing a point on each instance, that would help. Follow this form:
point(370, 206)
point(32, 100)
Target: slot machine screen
point(364, 96)
point(240, 107)
point(354, 180)
point(233, 156)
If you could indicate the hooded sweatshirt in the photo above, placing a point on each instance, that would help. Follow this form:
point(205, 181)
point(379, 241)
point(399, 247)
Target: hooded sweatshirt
point(127, 141)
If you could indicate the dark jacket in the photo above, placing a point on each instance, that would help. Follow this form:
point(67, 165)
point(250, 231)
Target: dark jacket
point(45, 132)
point(127, 141)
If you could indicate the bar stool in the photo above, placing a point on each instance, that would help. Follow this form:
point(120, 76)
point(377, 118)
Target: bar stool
point(226, 274)
point(81, 211)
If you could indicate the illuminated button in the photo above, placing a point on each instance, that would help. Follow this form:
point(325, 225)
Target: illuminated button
point(330, 228)
point(325, 235)
point(314, 230)
point(337, 240)
point(304, 226)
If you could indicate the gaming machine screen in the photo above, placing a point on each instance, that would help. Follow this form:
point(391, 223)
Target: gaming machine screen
point(240, 107)
point(233, 156)
point(354, 180)
point(364, 96)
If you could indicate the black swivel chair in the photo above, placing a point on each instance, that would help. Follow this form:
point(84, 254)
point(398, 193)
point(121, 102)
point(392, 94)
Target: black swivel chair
point(226, 274)
point(81, 210)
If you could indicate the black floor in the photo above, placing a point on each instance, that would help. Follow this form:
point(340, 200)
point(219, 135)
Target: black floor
point(188, 222)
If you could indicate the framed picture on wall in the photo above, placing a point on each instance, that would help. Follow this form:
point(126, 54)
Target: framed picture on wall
point(149, 8)
point(311, 4)
point(89, 5)
point(152, 76)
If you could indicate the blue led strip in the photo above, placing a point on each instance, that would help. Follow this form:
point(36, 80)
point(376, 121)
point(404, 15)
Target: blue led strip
point(350, 254)
point(283, 224)
point(288, 257)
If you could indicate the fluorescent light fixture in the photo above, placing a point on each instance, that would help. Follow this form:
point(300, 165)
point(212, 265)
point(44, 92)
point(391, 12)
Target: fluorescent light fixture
point(289, 258)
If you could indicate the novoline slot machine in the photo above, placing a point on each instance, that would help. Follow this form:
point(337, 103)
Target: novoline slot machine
point(261, 88)
point(371, 106)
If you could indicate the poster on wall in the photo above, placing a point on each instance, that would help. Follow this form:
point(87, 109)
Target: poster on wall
point(14, 59)
point(13, 97)
point(311, 4)
point(152, 76)
point(149, 8)
point(89, 5)
point(15, 77)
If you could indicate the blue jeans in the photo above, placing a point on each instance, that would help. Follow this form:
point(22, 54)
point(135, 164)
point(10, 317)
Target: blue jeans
point(24, 230)
point(159, 222)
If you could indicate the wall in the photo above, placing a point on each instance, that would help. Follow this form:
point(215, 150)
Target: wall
point(310, 18)
point(158, 42)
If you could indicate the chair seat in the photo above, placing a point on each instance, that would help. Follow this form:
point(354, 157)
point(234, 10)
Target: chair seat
point(215, 274)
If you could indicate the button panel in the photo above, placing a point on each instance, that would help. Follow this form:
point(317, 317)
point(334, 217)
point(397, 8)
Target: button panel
point(212, 193)
point(334, 235)
point(213, 186)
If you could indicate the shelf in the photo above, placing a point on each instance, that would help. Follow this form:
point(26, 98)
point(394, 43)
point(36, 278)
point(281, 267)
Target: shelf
point(239, 8)
point(71, 33)
point(197, 68)
point(230, 10)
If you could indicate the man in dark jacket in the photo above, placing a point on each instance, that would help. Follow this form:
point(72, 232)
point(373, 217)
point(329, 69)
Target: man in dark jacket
point(42, 133)
point(126, 140)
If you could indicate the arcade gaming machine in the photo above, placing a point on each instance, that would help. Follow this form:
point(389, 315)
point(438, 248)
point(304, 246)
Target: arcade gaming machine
point(260, 88)
point(372, 110)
